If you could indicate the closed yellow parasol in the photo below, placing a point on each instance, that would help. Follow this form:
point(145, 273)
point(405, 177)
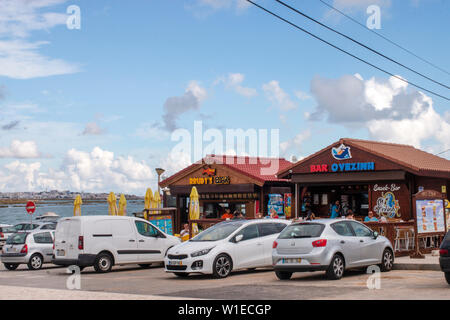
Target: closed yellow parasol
point(194, 209)
point(122, 205)
point(77, 206)
point(157, 201)
point(148, 202)
point(112, 204)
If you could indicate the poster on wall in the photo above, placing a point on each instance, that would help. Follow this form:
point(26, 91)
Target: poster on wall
point(163, 222)
point(287, 204)
point(430, 216)
point(276, 203)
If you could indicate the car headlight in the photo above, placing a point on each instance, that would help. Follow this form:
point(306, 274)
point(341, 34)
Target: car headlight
point(201, 252)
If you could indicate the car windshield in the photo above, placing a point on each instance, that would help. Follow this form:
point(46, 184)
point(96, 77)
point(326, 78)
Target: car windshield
point(305, 230)
point(217, 232)
point(17, 238)
point(25, 226)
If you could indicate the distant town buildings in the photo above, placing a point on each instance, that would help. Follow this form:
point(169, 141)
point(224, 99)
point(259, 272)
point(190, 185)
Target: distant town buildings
point(55, 194)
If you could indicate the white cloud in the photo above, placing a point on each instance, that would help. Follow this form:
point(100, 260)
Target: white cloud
point(92, 128)
point(20, 149)
point(175, 161)
point(387, 108)
point(205, 7)
point(358, 4)
point(98, 170)
point(20, 58)
point(295, 143)
point(234, 82)
point(176, 106)
point(278, 96)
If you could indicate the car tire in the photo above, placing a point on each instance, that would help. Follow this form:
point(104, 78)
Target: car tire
point(11, 266)
point(103, 263)
point(35, 262)
point(387, 262)
point(283, 275)
point(181, 274)
point(336, 268)
point(222, 266)
point(145, 266)
point(447, 277)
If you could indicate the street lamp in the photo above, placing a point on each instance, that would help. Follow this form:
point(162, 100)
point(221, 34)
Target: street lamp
point(159, 171)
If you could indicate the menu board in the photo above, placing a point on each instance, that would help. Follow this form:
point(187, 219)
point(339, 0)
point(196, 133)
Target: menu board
point(430, 216)
point(163, 222)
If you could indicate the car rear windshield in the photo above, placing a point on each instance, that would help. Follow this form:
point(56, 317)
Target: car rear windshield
point(17, 238)
point(8, 230)
point(304, 230)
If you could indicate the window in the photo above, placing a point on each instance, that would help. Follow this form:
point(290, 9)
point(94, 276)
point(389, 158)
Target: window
point(303, 230)
point(145, 229)
point(17, 238)
point(50, 226)
point(218, 231)
point(44, 237)
point(266, 229)
point(249, 232)
point(342, 229)
point(361, 230)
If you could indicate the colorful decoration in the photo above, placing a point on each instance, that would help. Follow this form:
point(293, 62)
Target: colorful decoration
point(387, 205)
point(341, 153)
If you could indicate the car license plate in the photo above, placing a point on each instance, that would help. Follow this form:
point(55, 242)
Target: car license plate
point(175, 263)
point(60, 252)
point(292, 260)
point(10, 249)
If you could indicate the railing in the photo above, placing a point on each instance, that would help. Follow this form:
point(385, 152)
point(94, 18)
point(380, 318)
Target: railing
point(401, 235)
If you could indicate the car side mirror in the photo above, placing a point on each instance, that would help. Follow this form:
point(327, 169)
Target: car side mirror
point(375, 234)
point(238, 238)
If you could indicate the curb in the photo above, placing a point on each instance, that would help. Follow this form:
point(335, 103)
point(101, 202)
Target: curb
point(416, 266)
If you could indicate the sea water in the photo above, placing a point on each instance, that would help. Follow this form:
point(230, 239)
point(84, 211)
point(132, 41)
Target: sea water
point(15, 213)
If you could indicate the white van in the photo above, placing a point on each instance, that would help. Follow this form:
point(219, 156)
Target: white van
point(104, 241)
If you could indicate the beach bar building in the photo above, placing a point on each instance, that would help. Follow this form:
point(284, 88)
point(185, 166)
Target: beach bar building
point(244, 184)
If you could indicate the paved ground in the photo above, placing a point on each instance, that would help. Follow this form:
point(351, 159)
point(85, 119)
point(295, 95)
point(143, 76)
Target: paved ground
point(260, 284)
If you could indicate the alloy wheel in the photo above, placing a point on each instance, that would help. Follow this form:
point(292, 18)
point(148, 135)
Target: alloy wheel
point(36, 262)
point(223, 266)
point(388, 260)
point(338, 267)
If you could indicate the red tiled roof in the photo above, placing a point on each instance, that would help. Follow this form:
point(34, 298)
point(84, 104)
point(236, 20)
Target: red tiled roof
point(417, 161)
point(252, 167)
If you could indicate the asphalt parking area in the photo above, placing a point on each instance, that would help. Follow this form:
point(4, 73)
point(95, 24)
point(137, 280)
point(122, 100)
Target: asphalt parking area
point(258, 284)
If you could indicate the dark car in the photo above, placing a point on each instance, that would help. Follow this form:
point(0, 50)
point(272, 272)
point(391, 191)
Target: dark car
point(444, 258)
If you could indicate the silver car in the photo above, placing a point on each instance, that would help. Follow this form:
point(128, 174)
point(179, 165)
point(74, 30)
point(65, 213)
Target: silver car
point(329, 245)
point(31, 248)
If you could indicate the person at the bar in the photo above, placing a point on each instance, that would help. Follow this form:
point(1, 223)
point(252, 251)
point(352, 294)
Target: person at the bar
point(335, 210)
point(227, 214)
point(370, 217)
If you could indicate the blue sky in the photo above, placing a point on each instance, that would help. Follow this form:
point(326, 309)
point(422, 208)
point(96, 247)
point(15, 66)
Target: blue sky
point(93, 109)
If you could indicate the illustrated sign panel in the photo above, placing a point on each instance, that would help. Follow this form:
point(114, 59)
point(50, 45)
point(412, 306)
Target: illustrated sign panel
point(430, 216)
point(163, 222)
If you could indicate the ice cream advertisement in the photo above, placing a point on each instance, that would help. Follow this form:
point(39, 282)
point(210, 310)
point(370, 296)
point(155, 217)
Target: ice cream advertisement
point(430, 216)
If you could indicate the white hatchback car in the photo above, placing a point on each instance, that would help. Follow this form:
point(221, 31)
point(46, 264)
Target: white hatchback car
point(226, 246)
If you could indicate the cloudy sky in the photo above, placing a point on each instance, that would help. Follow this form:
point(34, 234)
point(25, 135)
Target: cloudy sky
point(94, 109)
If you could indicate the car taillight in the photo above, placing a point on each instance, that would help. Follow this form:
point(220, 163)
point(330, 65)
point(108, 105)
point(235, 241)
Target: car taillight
point(24, 249)
point(80, 243)
point(320, 243)
point(275, 244)
point(443, 252)
point(1, 235)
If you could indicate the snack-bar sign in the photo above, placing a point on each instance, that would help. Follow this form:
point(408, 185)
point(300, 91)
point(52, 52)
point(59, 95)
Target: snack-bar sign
point(210, 177)
point(343, 167)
